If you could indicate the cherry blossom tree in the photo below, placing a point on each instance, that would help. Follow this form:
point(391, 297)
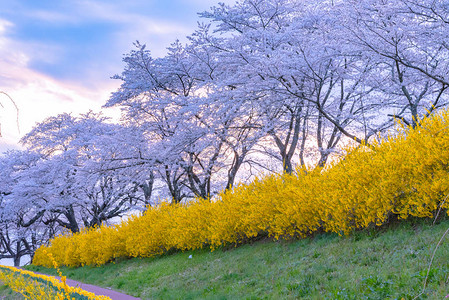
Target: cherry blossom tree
point(200, 129)
point(19, 235)
point(66, 182)
point(407, 43)
point(290, 55)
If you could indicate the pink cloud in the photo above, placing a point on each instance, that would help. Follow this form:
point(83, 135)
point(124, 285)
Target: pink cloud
point(37, 95)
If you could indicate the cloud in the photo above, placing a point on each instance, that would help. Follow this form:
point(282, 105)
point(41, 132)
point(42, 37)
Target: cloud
point(38, 95)
point(207, 3)
point(4, 25)
point(133, 24)
point(85, 40)
point(53, 17)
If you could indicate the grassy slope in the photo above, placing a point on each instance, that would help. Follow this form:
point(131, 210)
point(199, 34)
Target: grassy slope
point(373, 264)
point(8, 294)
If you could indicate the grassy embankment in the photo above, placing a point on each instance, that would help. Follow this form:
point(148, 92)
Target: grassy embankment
point(8, 294)
point(404, 177)
point(383, 263)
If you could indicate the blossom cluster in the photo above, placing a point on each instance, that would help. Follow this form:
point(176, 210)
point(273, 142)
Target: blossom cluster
point(400, 176)
point(41, 287)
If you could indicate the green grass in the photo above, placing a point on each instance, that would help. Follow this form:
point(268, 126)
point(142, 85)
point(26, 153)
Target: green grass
point(8, 294)
point(386, 263)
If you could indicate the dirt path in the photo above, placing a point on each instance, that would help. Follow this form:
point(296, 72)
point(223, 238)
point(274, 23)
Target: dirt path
point(99, 290)
point(95, 289)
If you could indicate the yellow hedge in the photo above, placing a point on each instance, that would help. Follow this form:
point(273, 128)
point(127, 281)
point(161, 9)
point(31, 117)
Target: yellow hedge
point(406, 175)
point(41, 287)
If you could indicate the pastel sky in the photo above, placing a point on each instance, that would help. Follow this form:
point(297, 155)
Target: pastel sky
point(58, 56)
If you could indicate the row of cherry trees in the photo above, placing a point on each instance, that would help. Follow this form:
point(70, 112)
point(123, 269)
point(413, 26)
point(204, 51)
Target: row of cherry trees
point(262, 85)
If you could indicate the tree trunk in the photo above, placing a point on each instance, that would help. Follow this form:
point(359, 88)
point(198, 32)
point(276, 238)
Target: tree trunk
point(16, 261)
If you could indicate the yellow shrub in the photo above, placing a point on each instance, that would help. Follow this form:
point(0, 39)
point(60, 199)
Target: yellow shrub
point(41, 287)
point(405, 175)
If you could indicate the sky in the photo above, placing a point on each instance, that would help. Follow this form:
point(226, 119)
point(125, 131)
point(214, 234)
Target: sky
point(58, 56)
